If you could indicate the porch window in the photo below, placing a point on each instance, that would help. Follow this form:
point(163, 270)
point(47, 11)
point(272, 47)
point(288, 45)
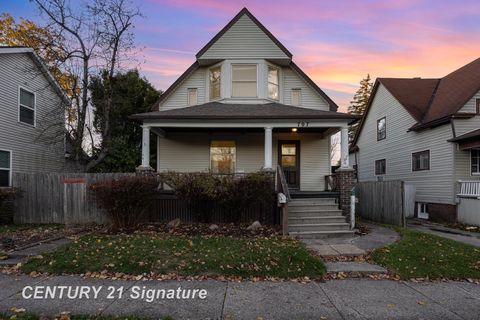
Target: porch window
point(222, 156)
point(421, 160)
point(244, 80)
point(273, 83)
point(475, 161)
point(192, 96)
point(296, 97)
point(26, 107)
point(215, 74)
point(380, 167)
point(5, 168)
point(381, 129)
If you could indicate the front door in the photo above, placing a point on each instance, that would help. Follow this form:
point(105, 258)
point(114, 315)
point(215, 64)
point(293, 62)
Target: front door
point(289, 160)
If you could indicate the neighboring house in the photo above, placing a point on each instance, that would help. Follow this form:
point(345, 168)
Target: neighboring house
point(244, 106)
point(425, 132)
point(32, 122)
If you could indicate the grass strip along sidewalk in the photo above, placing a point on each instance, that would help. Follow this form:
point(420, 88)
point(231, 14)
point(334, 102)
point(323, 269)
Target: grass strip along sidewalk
point(421, 255)
point(183, 255)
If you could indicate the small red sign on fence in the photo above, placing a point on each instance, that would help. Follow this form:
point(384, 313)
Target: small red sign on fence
point(74, 180)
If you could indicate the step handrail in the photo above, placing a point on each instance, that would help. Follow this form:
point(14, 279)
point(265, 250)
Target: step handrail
point(283, 197)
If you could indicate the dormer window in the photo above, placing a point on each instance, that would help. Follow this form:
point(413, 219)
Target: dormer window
point(215, 74)
point(273, 87)
point(244, 80)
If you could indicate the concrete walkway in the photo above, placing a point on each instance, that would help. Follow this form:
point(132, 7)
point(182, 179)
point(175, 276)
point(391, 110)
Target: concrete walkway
point(471, 238)
point(34, 250)
point(338, 299)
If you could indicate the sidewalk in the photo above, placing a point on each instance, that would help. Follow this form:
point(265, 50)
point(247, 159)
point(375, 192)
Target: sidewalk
point(338, 299)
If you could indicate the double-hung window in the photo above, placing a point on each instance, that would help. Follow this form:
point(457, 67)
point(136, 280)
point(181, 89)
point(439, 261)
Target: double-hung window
point(380, 167)
point(475, 161)
point(273, 87)
point(215, 77)
point(296, 97)
point(26, 107)
point(192, 96)
point(5, 168)
point(244, 80)
point(421, 160)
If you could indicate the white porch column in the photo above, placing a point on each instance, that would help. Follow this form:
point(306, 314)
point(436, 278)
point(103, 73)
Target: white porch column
point(268, 149)
point(344, 157)
point(145, 146)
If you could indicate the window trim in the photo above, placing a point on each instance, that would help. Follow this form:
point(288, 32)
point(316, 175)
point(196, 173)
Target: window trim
point(210, 155)
point(271, 66)
point(375, 168)
point(378, 121)
point(299, 90)
point(429, 160)
point(189, 104)
point(10, 173)
point(232, 65)
point(476, 174)
point(209, 88)
point(34, 109)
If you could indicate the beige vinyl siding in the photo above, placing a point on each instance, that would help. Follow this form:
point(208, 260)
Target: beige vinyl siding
point(31, 151)
point(244, 40)
point(310, 98)
point(435, 185)
point(190, 152)
point(179, 97)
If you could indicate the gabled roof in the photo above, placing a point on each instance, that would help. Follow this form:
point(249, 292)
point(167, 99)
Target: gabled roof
point(234, 111)
point(39, 62)
point(242, 12)
point(431, 102)
point(332, 105)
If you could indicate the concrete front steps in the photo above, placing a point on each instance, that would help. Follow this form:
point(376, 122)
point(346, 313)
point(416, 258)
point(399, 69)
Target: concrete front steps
point(316, 218)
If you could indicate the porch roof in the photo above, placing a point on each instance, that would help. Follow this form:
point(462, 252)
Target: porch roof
point(468, 140)
point(233, 111)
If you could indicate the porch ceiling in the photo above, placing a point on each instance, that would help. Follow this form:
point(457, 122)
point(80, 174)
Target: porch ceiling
point(320, 130)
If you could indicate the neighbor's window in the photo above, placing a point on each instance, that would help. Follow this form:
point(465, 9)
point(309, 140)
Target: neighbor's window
point(477, 101)
point(244, 80)
point(381, 129)
point(273, 86)
point(222, 156)
point(215, 74)
point(192, 96)
point(27, 107)
point(380, 167)
point(5, 168)
point(475, 160)
point(296, 97)
point(421, 160)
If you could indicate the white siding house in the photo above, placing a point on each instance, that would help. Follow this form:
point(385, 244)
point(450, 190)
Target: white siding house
point(31, 116)
point(428, 143)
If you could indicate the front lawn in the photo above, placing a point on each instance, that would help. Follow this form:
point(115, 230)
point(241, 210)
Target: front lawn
point(161, 253)
point(421, 255)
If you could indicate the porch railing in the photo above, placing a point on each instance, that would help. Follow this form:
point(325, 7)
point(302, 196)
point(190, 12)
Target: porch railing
point(469, 189)
point(283, 197)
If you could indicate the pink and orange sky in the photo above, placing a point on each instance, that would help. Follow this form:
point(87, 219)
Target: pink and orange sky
point(335, 42)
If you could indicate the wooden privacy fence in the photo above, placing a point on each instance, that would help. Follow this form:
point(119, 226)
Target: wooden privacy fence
point(382, 202)
point(67, 199)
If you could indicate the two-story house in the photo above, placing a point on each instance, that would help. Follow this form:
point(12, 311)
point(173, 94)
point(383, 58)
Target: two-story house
point(244, 106)
point(426, 132)
point(32, 118)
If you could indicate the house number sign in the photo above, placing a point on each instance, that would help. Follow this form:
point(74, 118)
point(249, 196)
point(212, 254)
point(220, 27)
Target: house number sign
point(301, 124)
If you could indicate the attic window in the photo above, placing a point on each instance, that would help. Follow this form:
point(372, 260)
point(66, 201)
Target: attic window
point(244, 80)
point(296, 97)
point(215, 74)
point(381, 129)
point(192, 96)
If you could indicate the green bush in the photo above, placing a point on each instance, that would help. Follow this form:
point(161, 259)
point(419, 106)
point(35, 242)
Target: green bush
point(126, 199)
point(235, 194)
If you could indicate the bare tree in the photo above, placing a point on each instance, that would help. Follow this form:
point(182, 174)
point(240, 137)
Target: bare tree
point(95, 36)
